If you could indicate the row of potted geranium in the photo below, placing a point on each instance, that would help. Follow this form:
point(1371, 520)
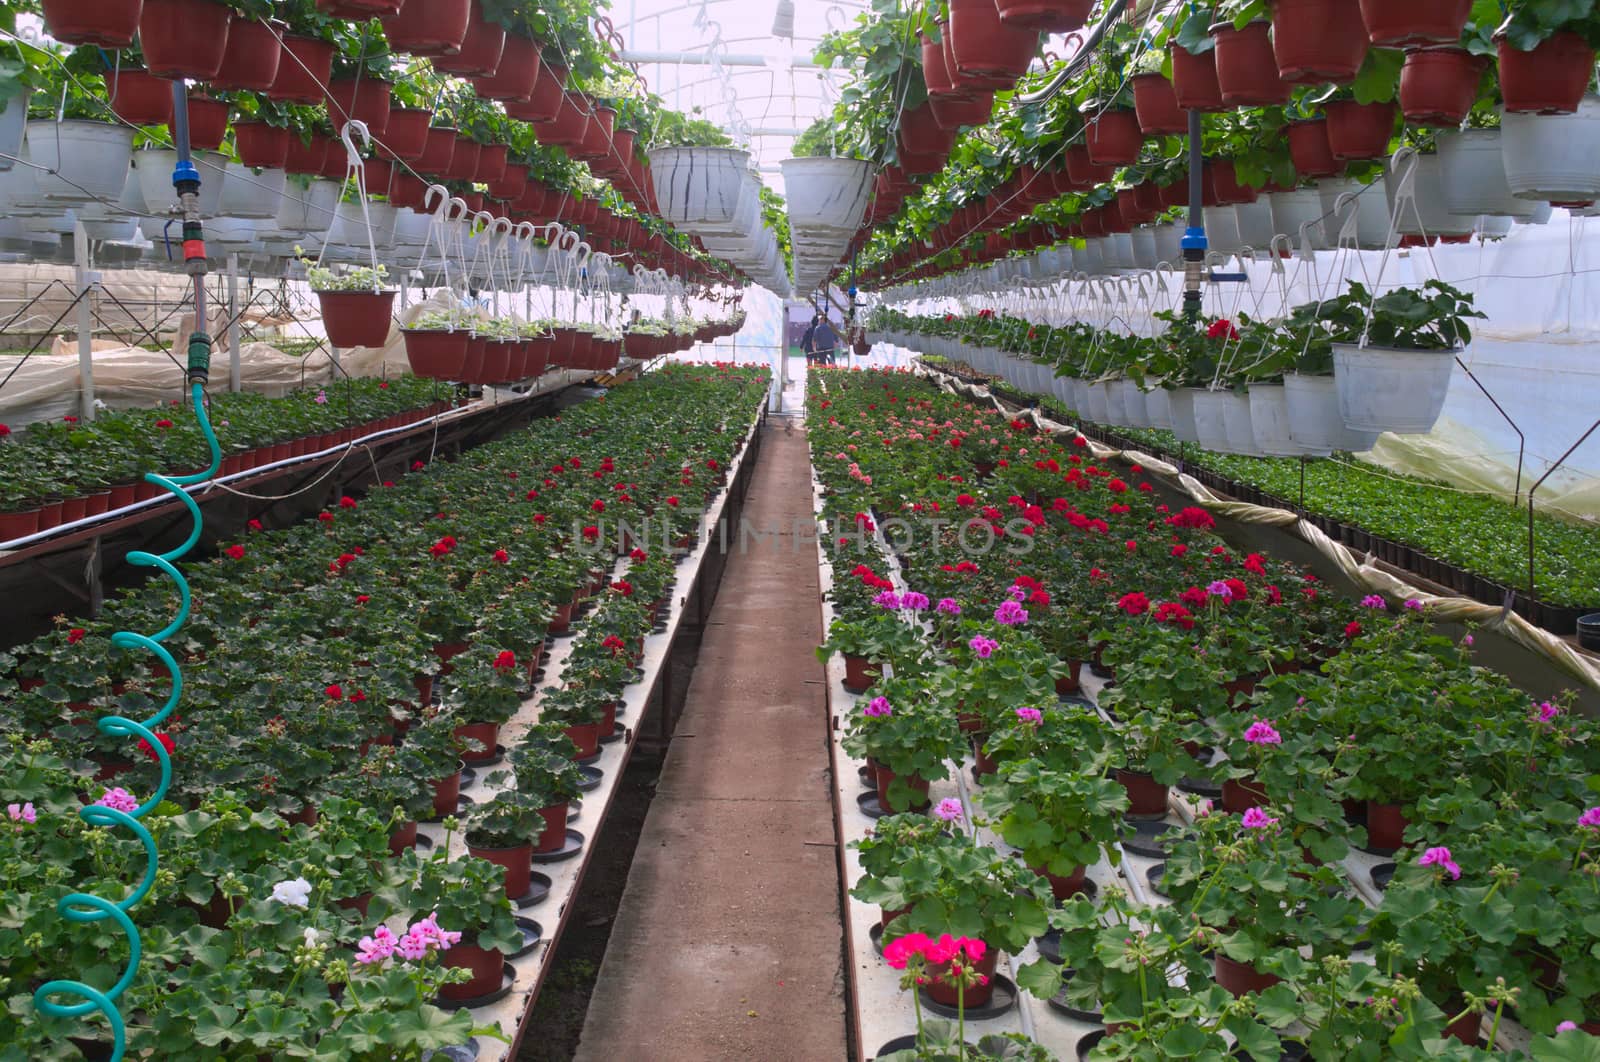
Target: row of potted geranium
point(1210, 650)
point(60, 471)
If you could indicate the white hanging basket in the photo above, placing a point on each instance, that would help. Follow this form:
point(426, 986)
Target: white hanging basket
point(1117, 249)
point(1429, 200)
point(1133, 407)
point(827, 193)
point(1116, 412)
point(1269, 420)
point(1094, 397)
point(1301, 208)
point(1144, 248)
point(13, 124)
point(1255, 223)
point(698, 186)
point(1402, 391)
point(154, 167)
point(91, 156)
point(1169, 244)
point(1158, 408)
point(1553, 156)
point(1472, 175)
point(1314, 419)
point(1211, 421)
point(247, 193)
point(1345, 196)
point(1180, 401)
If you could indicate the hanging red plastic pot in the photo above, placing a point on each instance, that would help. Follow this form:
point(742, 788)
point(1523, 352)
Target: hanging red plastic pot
point(356, 318)
point(406, 135)
point(934, 75)
point(438, 152)
point(1157, 106)
point(437, 355)
point(1045, 16)
point(261, 145)
point(544, 103)
point(139, 97)
point(360, 10)
point(570, 126)
point(1176, 194)
point(491, 163)
point(623, 142)
point(1318, 41)
point(953, 113)
point(1439, 84)
point(510, 184)
point(251, 62)
point(1194, 80)
point(360, 99)
point(378, 175)
point(1309, 150)
point(920, 133)
point(184, 38)
point(1128, 206)
point(102, 23)
point(1084, 171)
point(1147, 196)
point(429, 27)
point(1402, 23)
point(306, 66)
point(1247, 71)
point(1113, 139)
point(1222, 183)
point(407, 190)
point(480, 52)
point(1550, 79)
point(208, 122)
point(306, 158)
point(464, 161)
point(336, 163)
point(1359, 130)
point(987, 52)
point(518, 72)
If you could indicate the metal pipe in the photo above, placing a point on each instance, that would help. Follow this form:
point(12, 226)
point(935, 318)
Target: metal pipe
point(643, 55)
point(1194, 240)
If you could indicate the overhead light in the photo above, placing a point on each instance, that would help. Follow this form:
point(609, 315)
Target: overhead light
point(783, 20)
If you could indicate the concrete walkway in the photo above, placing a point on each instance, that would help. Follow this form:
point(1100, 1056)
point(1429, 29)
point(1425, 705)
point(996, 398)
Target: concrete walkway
point(728, 942)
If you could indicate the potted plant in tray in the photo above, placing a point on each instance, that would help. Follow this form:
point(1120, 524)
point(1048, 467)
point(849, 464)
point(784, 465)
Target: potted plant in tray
point(544, 770)
point(909, 737)
point(485, 689)
point(1063, 819)
point(468, 896)
point(502, 830)
point(356, 309)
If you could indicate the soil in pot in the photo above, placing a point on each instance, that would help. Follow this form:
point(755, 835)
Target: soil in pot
point(516, 861)
point(1550, 79)
point(1439, 84)
point(1146, 796)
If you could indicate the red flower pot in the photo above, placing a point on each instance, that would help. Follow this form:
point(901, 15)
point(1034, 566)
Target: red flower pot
point(429, 27)
point(305, 158)
point(404, 836)
point(18, 524)
point(511, 184)
point(1439, 84)
point(139, 97)
point(886, 777)
point(545, 102)
point(1386, 825)
point(1240, 795)
point(1194, 80)
point(208, 123)
point(859, 673)
point(1113, 139)
point(1222, 184)
point(1157, 108)
point(491, 163)
point(1064, 888)
point(1400, 23)
point(261, 145)
point(360, 99)
point(1309, 150)
point(306, 65)
point(1083, 171)
point(356, 318)
point(554, 834)
point(946, 994)
point(1068, 684)
point(1045, 16)
point(439, 151)
point(251, 61)
point(570, 125)
point(487, 966)
point(488, 736)
point(1550, 79)
point(987, 52)
point(1238, 978)
point(1359, 130)
point(481, 49)
point(1247, 71)
point(496, 367)
point(934, 74)
point(360, 10)
point(1146, 796)
point(518, 864)
point(184, 38)
point(103, 23)
point(447, 794)
point(406, 135)
point(587, 737)
point(1316, 41)
point(518, 72)
point(953, 113)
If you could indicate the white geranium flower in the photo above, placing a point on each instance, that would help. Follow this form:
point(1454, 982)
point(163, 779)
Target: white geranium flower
point(295, 893)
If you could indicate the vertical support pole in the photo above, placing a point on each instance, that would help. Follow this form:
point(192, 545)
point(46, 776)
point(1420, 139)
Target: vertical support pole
point(235, 366)
point(86, 282)
point(1194, 240)
point(92, 573)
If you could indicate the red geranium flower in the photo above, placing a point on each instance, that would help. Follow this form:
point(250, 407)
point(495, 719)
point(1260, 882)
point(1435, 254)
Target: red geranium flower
point(501, 556)
point(598, 506)
point(506, 661)
point(1222, 328)
point(163, 424)
point(334, 692)
point(254, 525)
point(591, 532)
point(325, 517)
point(672, 500)
point(1352, 630)
point(1237, 588)
point(362, 599)
point(1194, 597)
point(539, 518)
point(76, 635)
point(347, 502)
point(1254, 563)
point(623, 587)
point(1134, 604)
point(166, 743)
point(1172, 612)
point(418, 466)
point(235, 552)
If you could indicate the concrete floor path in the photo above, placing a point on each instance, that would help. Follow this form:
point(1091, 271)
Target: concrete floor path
point(728, 944)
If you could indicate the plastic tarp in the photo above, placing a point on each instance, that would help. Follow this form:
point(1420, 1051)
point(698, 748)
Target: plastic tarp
point(1368, 577)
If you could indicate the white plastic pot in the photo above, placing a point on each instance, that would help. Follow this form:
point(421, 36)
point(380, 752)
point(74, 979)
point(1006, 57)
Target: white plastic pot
point(1089, 258)
point(1144, 248)
point(1314, 419)
point(1116, 412)
point(1169, 244)
point(1402, 391)
point(1255, 223)
point(1158, 408)
point(698, 186)
point(1429, 200)
point(1180, 401)
point(247, 193)
point(13, 124)
point(1269, 420)
point(1133, 407)
point(1473, 177)
point(1301, 208)
point(1118, 250)
point(1344, 200)
point(827, 193)
point(1222, 230)
point(1094, 397)
point(91, 156)
point(1554, 157)
point(1211, 421)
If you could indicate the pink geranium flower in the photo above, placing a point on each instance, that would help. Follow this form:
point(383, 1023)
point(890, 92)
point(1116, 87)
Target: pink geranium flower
point(1440, 857)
